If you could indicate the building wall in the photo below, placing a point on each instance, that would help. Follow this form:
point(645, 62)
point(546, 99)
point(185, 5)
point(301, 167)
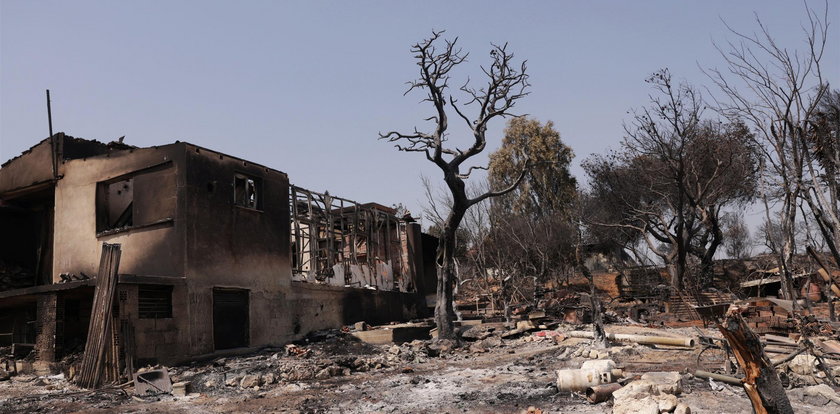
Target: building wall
point(157, 339)
point(312, 307)
point(31, 167)
point(204, 241)
point(152, 250)
point(231, 246)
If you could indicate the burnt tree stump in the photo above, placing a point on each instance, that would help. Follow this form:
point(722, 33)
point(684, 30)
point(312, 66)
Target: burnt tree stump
point(761, 382)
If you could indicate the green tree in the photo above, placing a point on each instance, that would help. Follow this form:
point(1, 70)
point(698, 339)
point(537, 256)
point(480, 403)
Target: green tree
point(548, 188)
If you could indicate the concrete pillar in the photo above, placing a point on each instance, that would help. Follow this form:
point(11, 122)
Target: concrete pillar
point(45, 339)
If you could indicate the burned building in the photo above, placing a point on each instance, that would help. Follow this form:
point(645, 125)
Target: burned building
point(217, 252)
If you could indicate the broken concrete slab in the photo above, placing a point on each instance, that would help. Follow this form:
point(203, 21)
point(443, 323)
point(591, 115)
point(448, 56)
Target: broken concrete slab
point(645, 405)
point(803, 364)
point(481, 331)
point(824, 391)
point(667, 402)
point(659, 388)
point(181, 389)
point(250, 381)
point(682, 409)
point(664, 382)
point(393, 335)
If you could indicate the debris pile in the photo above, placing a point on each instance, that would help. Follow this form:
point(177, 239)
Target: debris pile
point(14, 277)
point(654, 392)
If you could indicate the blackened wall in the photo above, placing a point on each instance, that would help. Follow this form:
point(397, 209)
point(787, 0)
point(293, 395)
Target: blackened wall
point(232, 246)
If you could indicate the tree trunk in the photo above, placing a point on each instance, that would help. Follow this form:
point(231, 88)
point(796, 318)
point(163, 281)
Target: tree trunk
point(789, 247)
point(707, 271)
point(444, 309)
point(676, 272)
point(761, 382)
point(599, 335)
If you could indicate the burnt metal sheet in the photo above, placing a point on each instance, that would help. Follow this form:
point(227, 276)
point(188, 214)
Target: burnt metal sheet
point(152, 382)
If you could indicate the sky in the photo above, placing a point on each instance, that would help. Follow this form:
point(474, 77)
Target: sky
point(305, 87)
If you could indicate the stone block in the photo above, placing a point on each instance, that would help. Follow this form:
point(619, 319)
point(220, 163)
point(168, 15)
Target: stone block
point(646, 405)
point(664, 382)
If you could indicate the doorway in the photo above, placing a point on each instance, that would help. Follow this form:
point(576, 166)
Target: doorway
point(230, 318)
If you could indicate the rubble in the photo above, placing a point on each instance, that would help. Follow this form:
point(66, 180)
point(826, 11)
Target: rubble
point(822, 391)
point(332, 369)
point(655, 392)
point(535, 362)
point(181, 389)
point(601, 393)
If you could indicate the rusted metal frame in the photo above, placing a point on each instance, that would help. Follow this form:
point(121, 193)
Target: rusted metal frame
point(396, 252)
point(329, 233)
point(296, 225)
point(376, 236)
point(380, 247)
point(403, 273)
point(342, 258)
point(303, 220)
point(388, 260)
point(313, 241)
point(354, 236)
point(303, 238)
point(315, 235)
point(406, 262)
point(353, 241)
point(363, 226)
point(325, 244)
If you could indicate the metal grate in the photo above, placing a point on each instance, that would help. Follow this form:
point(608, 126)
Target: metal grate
point(154, 301)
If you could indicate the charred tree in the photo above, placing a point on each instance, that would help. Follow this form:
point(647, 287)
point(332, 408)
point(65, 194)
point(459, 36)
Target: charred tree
point(673, 176)
point(778, 93)
point(598, 332)
point(506, 83)
point(761, 382)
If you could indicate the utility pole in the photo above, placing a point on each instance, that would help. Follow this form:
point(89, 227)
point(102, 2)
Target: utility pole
point(49, 112)
point(52, 139)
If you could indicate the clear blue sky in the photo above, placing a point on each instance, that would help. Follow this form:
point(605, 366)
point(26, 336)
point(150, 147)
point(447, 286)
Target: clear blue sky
point(304, 87)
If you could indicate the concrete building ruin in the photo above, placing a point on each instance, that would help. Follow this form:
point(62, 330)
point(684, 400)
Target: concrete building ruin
point(217, 252)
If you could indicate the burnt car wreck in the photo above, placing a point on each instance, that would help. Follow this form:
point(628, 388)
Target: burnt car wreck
point(217, 253)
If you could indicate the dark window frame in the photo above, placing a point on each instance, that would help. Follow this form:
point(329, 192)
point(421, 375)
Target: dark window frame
point(247, 191)
point(104, 201)
point(105, 224)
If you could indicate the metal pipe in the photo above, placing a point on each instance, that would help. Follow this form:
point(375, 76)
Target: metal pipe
point(718, 377)
point(639, 339)
point(601, 393)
